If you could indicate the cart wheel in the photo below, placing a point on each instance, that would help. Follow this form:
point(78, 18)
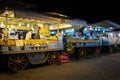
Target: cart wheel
point(52, 58)
point(17, 62)
point(82, 52)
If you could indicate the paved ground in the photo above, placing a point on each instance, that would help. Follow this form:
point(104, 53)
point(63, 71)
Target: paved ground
point(102, 68)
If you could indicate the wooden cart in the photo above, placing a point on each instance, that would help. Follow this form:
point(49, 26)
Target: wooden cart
point(20, 53)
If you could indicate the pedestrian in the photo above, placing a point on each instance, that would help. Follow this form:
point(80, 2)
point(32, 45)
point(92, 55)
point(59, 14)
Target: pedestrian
point(65, 42)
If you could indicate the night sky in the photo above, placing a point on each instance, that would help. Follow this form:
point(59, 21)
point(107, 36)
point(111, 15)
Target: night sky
point(91, 11)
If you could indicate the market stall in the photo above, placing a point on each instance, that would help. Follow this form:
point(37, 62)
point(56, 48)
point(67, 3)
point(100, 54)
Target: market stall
point(40, 48)
point(93, 40)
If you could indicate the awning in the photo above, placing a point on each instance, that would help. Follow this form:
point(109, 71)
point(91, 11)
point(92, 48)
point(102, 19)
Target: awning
point(107, 24)
point(36, 16)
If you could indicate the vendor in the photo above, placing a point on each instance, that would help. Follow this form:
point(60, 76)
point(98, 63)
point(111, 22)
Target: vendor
point(29, 35)
point(65, 42)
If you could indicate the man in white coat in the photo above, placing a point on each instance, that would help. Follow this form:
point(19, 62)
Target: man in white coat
point(29, 35)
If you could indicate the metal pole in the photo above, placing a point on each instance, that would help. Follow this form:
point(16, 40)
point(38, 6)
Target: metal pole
point(58, 29)
point(5, 31)
point(6, 15)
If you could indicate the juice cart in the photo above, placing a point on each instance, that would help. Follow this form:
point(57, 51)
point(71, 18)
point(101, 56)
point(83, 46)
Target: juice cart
point(16, 52)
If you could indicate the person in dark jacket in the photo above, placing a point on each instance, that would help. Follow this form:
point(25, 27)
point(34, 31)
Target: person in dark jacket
point(65, 42)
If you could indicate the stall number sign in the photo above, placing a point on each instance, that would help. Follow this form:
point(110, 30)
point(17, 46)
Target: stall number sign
point(19, 43)
point(44, 31)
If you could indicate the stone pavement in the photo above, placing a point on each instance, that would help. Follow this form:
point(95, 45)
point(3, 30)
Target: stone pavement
point(101, 68)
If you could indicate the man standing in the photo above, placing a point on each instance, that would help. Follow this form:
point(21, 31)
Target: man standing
point(29, 35)
point(65, 42)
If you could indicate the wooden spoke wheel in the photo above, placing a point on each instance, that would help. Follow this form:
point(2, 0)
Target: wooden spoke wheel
point(52, 58)
point(17, 62)
point(82, 52)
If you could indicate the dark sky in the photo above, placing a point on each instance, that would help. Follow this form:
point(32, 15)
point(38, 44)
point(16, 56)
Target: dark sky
point(92, 11)
point(83, 9)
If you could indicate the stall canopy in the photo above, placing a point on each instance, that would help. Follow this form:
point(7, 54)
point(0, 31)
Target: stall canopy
point(22, 19)
point(107, 24)
point(77, 22)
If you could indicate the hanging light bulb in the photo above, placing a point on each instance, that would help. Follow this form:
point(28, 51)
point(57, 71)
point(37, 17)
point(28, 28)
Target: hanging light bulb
point(28, 25)
point(10, 29)
point(51, 27)
point(2, 24)
point(19, 24)
point(12, 26)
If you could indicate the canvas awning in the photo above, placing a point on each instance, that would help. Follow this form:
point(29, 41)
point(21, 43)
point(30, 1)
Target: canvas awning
point(107, 24)
point(77, 22)
point(36, 16)
point(21, 19)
